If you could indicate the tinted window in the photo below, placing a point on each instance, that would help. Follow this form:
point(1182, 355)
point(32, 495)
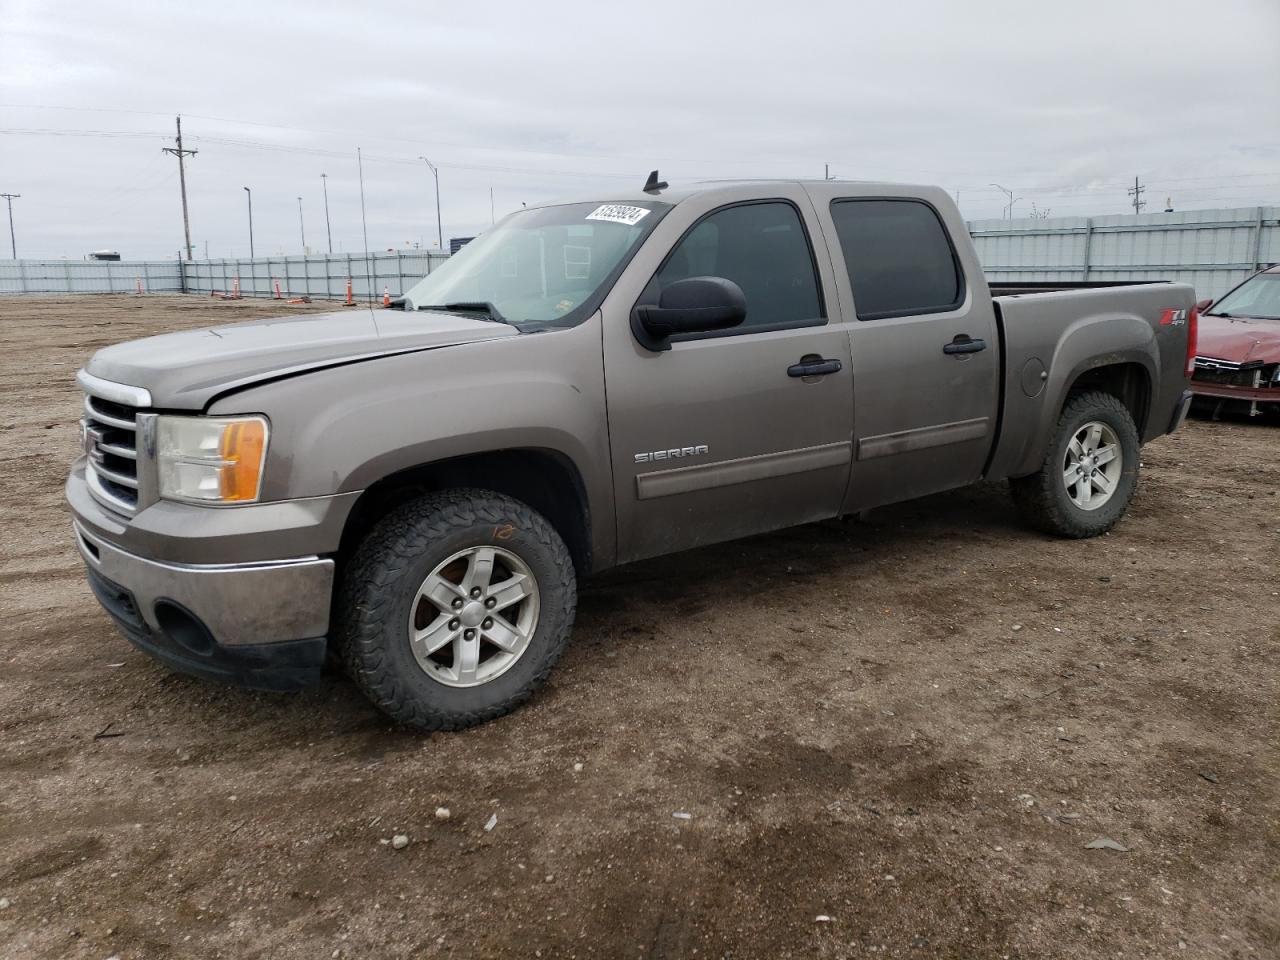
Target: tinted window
point(899, 258)
point(762, 247)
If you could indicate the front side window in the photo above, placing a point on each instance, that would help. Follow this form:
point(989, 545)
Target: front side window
point(549, 266)
point(899, 258)
point(763, 248)
point(1256, 297)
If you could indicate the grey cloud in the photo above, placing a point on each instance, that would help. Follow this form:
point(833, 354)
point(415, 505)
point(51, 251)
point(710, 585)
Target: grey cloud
point(1063, 102)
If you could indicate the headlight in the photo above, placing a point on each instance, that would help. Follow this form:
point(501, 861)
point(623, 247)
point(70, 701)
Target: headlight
point(211, 459)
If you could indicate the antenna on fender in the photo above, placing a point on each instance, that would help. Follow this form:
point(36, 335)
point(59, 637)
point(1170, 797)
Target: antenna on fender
point(654, 185)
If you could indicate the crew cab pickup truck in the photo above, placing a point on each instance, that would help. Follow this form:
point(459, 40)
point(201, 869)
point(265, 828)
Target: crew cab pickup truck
point(418, 489)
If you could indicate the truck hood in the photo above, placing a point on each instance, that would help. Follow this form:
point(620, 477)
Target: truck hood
point(186, 370)
point(1239, 339)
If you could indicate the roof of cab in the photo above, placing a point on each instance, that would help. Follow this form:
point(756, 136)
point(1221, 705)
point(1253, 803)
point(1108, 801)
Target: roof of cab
point(675, 194)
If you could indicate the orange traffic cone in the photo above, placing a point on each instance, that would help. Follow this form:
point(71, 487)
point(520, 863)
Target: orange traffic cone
point(386, 296)
point(350, 300)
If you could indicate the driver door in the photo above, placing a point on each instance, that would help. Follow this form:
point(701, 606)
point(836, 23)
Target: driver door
point(724, 435)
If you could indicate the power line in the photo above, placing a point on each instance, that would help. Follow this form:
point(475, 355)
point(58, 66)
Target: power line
point(112, 134)
point(897, 172)
point(1094, 184)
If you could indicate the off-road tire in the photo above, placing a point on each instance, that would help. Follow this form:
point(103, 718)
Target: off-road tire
point(1042, 499)
point(380, 584)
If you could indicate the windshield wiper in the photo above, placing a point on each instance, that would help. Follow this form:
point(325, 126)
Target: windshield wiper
point(469, 306)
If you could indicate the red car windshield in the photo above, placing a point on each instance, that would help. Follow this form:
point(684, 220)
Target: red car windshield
point(1256, 297)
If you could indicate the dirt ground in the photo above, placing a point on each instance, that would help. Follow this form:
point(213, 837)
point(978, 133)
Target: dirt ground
point(892, 738)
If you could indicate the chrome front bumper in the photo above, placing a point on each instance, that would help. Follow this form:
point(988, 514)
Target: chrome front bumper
point(239, 603)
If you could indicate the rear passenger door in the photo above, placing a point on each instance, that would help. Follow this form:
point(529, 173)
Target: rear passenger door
point(925, 349)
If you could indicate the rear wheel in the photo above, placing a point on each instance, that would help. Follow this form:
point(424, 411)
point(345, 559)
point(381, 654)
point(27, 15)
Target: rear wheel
point(455, 608)
point(1090, 471)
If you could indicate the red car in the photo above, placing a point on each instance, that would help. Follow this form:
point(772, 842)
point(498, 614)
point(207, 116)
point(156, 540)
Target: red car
point(1238, 352)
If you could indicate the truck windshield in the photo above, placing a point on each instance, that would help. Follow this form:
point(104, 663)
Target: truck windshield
point(545, 267)
point(1258, 297)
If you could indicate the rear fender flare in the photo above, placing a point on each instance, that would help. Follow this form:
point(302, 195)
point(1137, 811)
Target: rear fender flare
point(1087, 344)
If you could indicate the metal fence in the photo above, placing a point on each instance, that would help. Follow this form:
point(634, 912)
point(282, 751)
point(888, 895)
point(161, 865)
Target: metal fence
point(90, 276)
point(1211, 249)
point(322, 277)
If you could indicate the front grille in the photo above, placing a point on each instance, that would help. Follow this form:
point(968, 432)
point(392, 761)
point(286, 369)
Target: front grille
point(1227, 373)
point(111, 444)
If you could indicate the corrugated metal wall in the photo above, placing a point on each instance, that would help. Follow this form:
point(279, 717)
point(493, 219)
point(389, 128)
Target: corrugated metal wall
point(322, 277)
point(89, 276)
point(1211, 249)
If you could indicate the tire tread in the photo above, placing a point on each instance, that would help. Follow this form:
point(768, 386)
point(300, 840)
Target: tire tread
point(369, 592)
point(1039, 498)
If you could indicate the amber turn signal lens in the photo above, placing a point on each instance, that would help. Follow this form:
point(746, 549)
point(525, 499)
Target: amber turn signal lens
point(243, 442)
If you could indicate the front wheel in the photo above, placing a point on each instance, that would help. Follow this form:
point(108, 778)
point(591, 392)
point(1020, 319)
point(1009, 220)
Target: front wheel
point(1090, 471)
point(455, 608)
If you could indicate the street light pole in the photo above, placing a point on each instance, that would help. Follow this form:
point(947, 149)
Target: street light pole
point(9, 198)
point(439, 229)
point(301, 228)
point(250, 193)
point(1009, 209)
point(324, 179)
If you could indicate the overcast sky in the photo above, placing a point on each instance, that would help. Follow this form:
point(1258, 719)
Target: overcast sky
point(1062, 102)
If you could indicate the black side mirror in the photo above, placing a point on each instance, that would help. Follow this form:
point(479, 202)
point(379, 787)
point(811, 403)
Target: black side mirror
point(1203, 305)
point(694, 305)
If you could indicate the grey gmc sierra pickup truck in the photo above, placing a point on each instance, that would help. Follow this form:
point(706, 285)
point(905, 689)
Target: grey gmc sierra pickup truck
point(587, 384)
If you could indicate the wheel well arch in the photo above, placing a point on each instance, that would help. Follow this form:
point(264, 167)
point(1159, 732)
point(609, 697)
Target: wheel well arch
point(545, 480)
point(1129, 382)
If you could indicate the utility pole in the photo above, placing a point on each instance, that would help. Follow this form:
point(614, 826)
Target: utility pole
point(492, 220)
point(439, 230)
point(250, 193)
point(1136, 191)
point(302, 229)
point(182, 182)
point(324, 179)
point(9, 198)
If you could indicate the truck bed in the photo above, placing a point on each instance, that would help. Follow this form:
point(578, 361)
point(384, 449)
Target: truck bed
point(1012, 289)
point(1051, 335)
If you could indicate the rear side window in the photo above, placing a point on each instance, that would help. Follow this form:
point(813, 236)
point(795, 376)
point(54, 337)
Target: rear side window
point(763, 248)
point(899, 257)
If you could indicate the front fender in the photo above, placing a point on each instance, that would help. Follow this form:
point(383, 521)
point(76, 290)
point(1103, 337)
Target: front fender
point(343, 429)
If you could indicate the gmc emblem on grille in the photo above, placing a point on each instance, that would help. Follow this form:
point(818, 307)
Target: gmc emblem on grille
point(90, 437)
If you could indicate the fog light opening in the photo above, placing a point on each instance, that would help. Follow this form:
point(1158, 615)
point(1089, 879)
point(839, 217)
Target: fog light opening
point(184, 628)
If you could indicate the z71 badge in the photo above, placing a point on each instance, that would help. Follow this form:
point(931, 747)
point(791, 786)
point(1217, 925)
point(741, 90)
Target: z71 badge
point(674, 453)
